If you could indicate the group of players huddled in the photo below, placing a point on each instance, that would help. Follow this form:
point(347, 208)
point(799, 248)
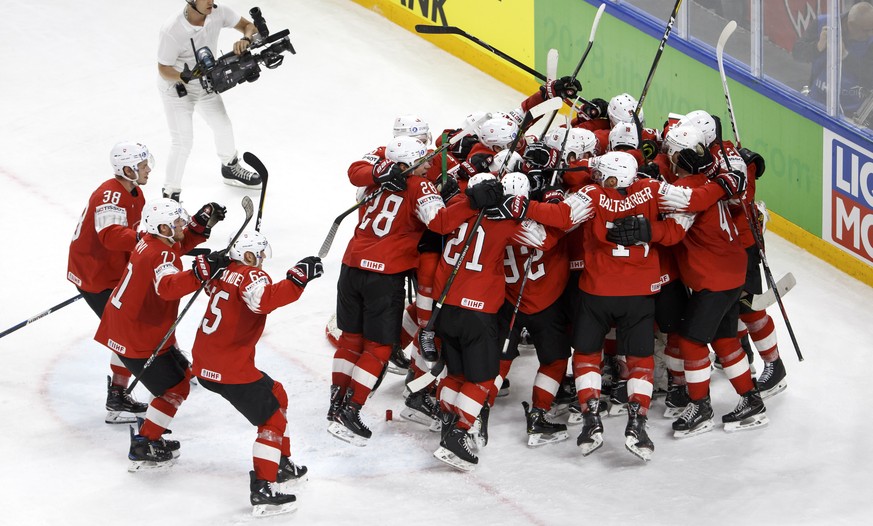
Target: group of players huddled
point(598, 240)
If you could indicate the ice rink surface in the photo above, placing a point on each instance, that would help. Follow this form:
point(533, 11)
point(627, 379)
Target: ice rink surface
point(80, 77)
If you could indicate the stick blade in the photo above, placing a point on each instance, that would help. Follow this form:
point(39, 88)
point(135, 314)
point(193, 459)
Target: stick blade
point(437, 30)
point(253, 161)
point(552, 64)
point(248, 206)
point(546, 106)
point(723, 38)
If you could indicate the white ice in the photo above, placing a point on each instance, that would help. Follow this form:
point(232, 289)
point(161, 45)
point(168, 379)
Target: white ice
point(80, 76)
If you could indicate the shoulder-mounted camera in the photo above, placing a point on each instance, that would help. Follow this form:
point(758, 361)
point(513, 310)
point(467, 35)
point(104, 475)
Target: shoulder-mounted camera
point(221, 74)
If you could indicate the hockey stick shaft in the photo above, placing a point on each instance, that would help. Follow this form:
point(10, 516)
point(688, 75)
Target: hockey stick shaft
point(253, 161)
point(575, 74)
point(648, 83)
point(334, 227)
point(517, 302)
point(452, 30)
point(42, 314)
point(249, 209)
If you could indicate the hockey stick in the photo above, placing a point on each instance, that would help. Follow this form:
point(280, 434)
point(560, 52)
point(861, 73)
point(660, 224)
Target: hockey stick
point(517, 302)
point(42, 314)
point(594, 25)
point(753, 222)
point(452, 30)
point(250, 211)
point(759, 243)
point(253, 161)
point(427, 335)
point(648, 83)
point(331, 234)
point(768, 297)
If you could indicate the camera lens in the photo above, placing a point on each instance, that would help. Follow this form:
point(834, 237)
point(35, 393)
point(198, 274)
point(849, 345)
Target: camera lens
point(205, 58)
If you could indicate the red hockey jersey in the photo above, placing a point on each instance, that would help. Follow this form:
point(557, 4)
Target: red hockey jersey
point(547, 276)
point(104, 237)
point(145, 303)
point(224, 347)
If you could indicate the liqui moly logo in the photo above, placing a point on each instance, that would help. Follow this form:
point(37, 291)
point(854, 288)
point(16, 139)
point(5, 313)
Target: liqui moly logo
point(848, 196)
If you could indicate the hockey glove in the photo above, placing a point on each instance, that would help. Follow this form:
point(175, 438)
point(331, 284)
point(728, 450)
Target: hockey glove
point(512, 207)
point(205, 218)
point(564, 87)
point(693, 162)
point(650, 170)
point(538, 156)
point(753, 159)
point(427, 345)
point(479, 163)
point(649, 148)
point(485, 194)
point(389, 176)
point(733, 183)
point(553, 194)
point(461, 149)
point(628, 231)
point(594, 109)
point(306, 270)
point(210, 266)
point(449, 189)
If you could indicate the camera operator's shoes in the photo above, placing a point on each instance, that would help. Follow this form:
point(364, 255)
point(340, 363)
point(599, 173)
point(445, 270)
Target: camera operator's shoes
point(235, 175)
point(169, 193)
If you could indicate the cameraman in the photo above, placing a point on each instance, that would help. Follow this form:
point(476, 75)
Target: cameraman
point(200, 20)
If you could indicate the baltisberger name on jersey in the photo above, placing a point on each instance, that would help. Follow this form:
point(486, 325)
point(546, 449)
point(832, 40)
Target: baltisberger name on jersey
point(622, 205)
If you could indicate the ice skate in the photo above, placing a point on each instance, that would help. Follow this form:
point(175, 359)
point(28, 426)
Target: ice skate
point(676, 401)
point(290, 474)
point(420, 409)
point(772, 380)
point(234, 174)
point(637, 440)
point(148, 454)
point(398, 363)
point(504, 388)
point(347, 424)
point(618, 399)
point(591, 437)
point(696, 419)
point(479, 432)
point(455, 451)
point(539, 430)
point(266, 500)
point(565, 396)
point(336, 400)
point(121, 408)
point(749, 413)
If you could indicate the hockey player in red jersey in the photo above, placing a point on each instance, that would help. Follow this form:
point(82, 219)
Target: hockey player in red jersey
point(712, 264)
point(375, 265)
point(224, 361)
point(468, 322)
point(142, 309)
point(100, 250)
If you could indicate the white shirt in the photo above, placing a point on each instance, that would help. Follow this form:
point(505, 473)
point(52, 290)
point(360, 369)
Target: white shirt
point(174, 46)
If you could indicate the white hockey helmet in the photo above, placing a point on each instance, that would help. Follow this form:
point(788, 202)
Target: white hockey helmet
point(406, 150)
point(624, 135)
point(620, 109)
point(514, 163)
point(253, 242)
point(580, 142)
point(681, 137)
point(129, 154)
point(163, 211)
point(412, 126)
point(703, 121)
point(498, 132)
point(516, 183)
point(621, 166)
point(478, 178)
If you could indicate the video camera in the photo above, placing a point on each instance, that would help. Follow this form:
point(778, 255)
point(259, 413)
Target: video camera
point(219, 75)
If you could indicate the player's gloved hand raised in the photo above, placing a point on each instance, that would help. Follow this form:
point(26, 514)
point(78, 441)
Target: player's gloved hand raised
point(594, 109)
point(485, 194)
point(733, 183)
point(210, 265)
point(306, 270)
point(389, 176)
point(511, 207)
point(478, 163)
point(205, 218)
point(753, 159)
point(449, 189)
point(564, 87)
point(538, 156)
point(649, 149)
point(628, 231)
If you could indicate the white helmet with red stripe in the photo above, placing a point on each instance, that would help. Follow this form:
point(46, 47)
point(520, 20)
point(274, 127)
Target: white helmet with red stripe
point(620, 109)
point(412, 126)
point(703, 121)
point(498, 132)
point(624, 135)
point(516, 183)
point(407, 150)
point(615, 170)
